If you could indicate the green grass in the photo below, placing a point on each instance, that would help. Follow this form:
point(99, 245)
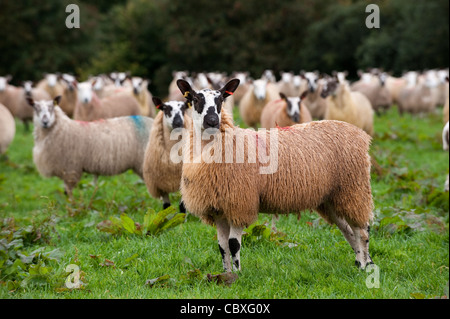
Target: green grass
point(305, 259)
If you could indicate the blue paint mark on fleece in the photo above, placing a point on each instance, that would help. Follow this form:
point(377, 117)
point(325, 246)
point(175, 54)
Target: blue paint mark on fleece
point(139, 125)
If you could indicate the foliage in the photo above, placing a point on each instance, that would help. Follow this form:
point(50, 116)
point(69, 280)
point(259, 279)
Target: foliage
point(153, 38)
point(154, 223)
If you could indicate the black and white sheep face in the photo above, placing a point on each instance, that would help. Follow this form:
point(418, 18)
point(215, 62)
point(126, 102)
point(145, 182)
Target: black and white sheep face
point(70, 81)
point(294, 106)
point(85, 92)
point(329, 87)
point(173, 112)
point(28, 87)
point(119, 78)
point(4, 82)
point(311, 79)
point(44, 111)
point(207, 103)
point(138, 84)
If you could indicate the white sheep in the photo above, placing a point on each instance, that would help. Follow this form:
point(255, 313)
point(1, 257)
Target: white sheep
point(322, 165)
point(258, 95)
point(91, 108)
point(7, 128)
point(66, 148)
point(346, 105)
point(161, 174)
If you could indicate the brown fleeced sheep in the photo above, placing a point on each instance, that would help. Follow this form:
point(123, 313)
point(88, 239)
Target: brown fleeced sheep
point(258, 95)
point(66, 148)
point(162, 175)
point(345, 105)
point(315, 103)
point(91, 108)
point(286, 111)
point(286, 85)
point(7, 128)
point(324, 166)
point(174, 92)
point(244, 85)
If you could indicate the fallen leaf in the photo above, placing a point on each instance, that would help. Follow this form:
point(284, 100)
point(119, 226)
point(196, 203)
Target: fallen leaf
point(227, 278)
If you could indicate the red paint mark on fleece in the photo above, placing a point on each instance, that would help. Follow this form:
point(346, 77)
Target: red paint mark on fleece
point(85, 123)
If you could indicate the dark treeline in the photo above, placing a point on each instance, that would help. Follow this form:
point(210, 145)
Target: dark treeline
point(153, 38)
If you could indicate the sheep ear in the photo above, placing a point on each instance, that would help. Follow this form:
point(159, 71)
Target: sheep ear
point(186, 89)
point(229, 88)
point(30, 101)
point(284, 97)
point(57, 100)
point(304, 94)
point(158, 103)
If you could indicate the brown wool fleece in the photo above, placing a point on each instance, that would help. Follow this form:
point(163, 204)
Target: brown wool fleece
point(105, 147)
point(323, 165)
point(275, 113)
point(161, 174)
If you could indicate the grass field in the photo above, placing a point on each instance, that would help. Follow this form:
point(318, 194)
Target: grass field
point(42, 233)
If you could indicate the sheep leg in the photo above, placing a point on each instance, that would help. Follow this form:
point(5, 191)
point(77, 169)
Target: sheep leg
point(446, 185)
point(182, 207)
point(345, 229)
point(234, 242)
point(223, 232)
point(166, 200)
point(362, 246)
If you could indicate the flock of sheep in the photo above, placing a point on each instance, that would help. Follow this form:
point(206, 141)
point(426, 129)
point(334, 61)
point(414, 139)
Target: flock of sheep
point(110, 124)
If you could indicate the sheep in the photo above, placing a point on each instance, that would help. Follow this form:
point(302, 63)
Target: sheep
point(417, 96)
point(323, 165)
point(69, 97)
point(285, 85)
point(375, 90)
point(91, 108)
point(445, 143)
point(121, 79)
point(14, 98)
point(7, 128)
point(244, 85)
point(162, 175)
point(51, 84)
point(315, 103)
point(269, 76)
point(258, 95)
point(345, 105)
point(66, 148)
point(286, 111)
point(216, 84)
point(394, 86)
point(143, 96)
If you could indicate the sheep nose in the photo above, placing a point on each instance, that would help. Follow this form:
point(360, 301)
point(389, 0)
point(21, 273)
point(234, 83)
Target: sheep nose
point(211, 122)
point(296, 118)
point(177, 122)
